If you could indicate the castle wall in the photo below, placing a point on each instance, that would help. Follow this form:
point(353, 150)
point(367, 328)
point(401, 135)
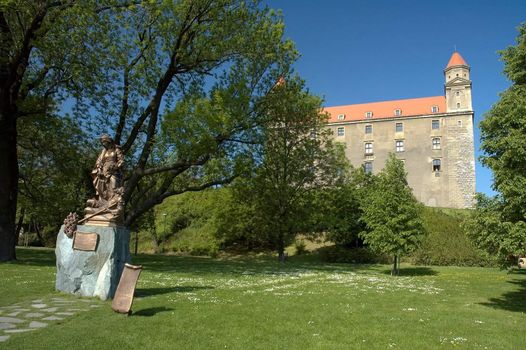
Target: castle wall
point(453, 186)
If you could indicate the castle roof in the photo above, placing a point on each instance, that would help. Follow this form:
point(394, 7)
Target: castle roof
point(456, 60)
point(387, 109)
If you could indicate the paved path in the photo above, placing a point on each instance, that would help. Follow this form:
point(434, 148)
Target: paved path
point(36, 314)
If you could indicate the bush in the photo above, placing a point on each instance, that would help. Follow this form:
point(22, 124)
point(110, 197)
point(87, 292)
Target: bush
point(301, 247)
point(446, 242)
point(342, 254)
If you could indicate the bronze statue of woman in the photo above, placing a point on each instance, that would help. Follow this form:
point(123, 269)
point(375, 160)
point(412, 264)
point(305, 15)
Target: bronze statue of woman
point(107, 180)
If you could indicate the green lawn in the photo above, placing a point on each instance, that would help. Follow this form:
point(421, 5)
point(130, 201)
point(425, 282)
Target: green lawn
point(202, 303)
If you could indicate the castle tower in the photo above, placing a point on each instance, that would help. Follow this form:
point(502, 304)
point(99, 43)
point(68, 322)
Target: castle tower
point(458, 85)
point(458, 133)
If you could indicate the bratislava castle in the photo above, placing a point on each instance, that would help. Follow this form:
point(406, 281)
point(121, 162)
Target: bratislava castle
point(433, 136)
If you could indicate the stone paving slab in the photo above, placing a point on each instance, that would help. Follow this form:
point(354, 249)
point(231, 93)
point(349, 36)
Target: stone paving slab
point(36, 324)
point(52, 318)
point(51, 309)
point(19, 330)
point(11, 320)
point(21, 318)
point(5, 325)
point(4, 338)
point(65, 313)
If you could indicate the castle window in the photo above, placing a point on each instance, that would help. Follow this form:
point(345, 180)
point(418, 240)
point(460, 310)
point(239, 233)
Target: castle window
point(436, 143)
point(341, 116)
point(435, 124)
point(436, 164)
point(368, 167)
point(368, 148)
point(459, 122)
point(341, 131)
point(400, 146)
point(458, 93)
point(434, 109)
point(368, 129)
point(399, 127)
point(458, 104)
point(397, 112)
point(368, 115)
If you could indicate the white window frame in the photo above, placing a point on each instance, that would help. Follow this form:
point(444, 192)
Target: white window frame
point(368, 115)
point(369, 148)
point(434, 109)
point(397, 112)
point(436, 143)
point(341, 116)
point(399, 145)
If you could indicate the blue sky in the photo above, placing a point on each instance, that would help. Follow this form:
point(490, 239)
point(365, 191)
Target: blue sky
point(365, 51)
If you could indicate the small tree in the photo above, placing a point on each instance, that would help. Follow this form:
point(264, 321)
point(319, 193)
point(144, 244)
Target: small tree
point(392, 214)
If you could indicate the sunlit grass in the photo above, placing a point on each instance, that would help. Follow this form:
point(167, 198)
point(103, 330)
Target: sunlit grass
point(256, 303)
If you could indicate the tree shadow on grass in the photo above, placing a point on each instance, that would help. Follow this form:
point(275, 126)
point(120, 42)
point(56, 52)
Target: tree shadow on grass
point(152, 311)
point(35, 256)
point(146, 292)
point(514, 300)
point(414, 271)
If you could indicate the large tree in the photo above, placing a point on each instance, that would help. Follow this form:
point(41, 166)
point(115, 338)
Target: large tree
point(38, 55)
point(121, 65)
point(297, 158)
point(503, 134)
point(392, 214)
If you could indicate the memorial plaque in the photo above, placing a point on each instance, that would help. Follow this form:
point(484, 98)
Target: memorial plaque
point(85, 241)
point(123, 299)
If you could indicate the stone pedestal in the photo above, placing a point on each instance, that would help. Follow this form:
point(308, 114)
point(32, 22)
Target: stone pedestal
point(92, 273)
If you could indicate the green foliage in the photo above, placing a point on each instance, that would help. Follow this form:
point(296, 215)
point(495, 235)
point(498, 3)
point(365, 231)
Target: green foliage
point(337, 209)
point(490, 230)
point(296, 158)
point(300, 246)
point(446, 242)
point(54, 172)
point(391, 213)
point(189, 225)
point(500, 223)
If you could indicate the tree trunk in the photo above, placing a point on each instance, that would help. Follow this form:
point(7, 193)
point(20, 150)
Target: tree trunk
point(155, 241)
point(136, 241)
point(39, 234)
point(394, 270)
point(281, 249)
point(20, 221)
point(8, 184)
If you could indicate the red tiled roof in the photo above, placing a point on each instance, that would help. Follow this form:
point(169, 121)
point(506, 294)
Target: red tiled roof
point(456, 60)
point(386, 109)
